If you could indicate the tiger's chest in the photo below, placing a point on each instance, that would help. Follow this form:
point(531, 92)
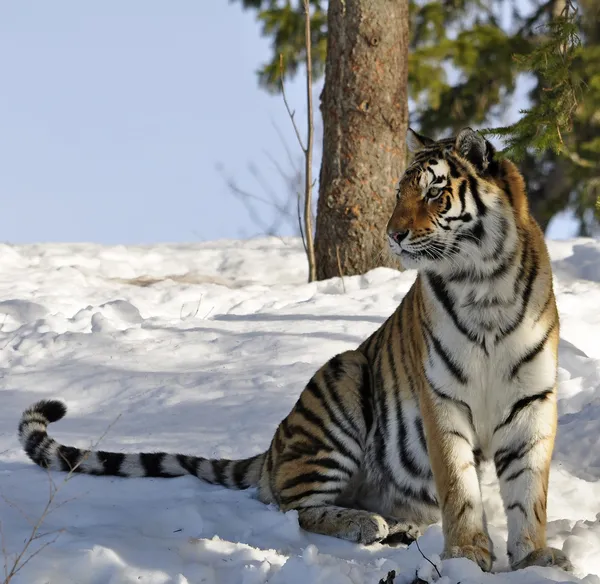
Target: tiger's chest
point(485, 367)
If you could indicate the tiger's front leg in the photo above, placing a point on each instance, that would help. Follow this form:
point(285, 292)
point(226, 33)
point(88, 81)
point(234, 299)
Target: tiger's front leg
point(450, 443)
point(523, 448)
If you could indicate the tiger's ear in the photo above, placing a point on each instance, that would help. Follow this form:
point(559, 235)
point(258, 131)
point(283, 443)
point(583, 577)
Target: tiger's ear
point(416, 142)
point(475, 148)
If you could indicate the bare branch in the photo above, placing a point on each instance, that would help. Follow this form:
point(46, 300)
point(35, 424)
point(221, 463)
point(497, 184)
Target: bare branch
point(339, 263)
point(298, 197)
point(424, 556)
point(21, 560)
point(285, 101)
point(312, 269)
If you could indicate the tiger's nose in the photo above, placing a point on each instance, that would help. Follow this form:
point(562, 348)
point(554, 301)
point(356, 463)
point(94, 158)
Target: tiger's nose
point(398, 236)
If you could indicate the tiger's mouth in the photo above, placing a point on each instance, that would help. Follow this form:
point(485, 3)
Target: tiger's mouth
point(432, 251)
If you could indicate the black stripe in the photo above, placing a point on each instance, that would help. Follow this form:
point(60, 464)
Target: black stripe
point(240, 471)
point(111, 461)
point(452, 166)
point(188, 463)
point(504, 457)
point(421, 433)
point(460, 403)
point(355, 432)
point(366, 400)
point(218, 467)
point(422, 495)
point(537, 514)
point(32, 447)
point(288, 499)
point(269, 466)
point(467, 506)
point(525, 248)
point(277, 441)
point(500, 241)
point(152, 464)
point(297, 430)
point(526, 296)
point(546, 304)
point(441, 293)
point(452, 367)
point(515, 475)
point(476, 232)
point(314, 389)
point(447, 205)
point(462, 191)
point(518, 506)
point(330, 463)
point(69, 458)
point(533, 352)
point(459, 435)
point(474, 189)
point(306, 478)
point(285, 427)
point(383, 416)
point(380, 339)
point(477, 277)
point(522, 404)
point(298, 450)
point(407, 457)
point(464, 217)
point(310, 416)
point(462, 169)
point(504, 266)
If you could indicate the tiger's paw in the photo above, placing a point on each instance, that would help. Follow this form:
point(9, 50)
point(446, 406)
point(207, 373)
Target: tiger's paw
point(368, 528)
point(401, 533)
point(482, 556)
point(545, 557)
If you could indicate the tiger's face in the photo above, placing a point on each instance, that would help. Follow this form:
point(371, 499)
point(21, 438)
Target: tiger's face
point(447, 210)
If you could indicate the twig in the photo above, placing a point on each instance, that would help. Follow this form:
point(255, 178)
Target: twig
point(287, 107)
point(190, 315)
point(19, 563)
point(339, 265)
point(299, 196)
point(419, 548)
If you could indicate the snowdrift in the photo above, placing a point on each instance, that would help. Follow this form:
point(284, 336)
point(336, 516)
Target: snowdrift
point(203, 349)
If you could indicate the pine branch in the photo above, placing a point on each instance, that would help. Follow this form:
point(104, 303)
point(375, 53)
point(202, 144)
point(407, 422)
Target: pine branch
point(541, 128)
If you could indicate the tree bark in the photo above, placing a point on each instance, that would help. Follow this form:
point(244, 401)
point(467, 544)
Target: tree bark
point(364, 105)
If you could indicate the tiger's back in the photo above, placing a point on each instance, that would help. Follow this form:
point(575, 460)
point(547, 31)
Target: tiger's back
point(389, 437)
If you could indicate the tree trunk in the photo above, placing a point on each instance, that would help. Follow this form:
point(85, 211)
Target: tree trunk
point(365, 115)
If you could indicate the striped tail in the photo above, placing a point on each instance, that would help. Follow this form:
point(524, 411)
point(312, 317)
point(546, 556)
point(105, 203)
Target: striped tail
point(47, 453)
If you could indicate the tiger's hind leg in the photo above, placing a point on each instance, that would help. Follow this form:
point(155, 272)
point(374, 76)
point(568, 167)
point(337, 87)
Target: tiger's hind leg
point(318, 450)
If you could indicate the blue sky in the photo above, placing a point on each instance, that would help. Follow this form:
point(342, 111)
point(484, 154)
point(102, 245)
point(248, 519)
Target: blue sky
point(115, 115)
point(115, 118)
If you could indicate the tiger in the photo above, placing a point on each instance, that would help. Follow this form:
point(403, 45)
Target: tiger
point(390, 437)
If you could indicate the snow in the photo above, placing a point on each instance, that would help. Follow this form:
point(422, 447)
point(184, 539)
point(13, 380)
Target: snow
point(203, 349)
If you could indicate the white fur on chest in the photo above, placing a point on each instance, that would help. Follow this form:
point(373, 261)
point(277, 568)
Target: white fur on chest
point(485, 380)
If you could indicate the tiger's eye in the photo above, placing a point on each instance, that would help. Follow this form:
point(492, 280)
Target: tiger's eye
point(433, 192)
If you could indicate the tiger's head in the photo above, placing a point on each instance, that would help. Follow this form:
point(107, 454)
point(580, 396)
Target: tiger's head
point(455, 206)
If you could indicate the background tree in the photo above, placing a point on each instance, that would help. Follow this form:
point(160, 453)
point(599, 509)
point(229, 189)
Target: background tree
point(364, 105)
point(464, 69)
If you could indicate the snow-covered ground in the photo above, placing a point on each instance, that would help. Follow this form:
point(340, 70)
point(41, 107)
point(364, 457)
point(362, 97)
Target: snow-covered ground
point(203, 349)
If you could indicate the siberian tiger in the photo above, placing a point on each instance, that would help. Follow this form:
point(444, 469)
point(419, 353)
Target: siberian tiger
point(388, 438)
